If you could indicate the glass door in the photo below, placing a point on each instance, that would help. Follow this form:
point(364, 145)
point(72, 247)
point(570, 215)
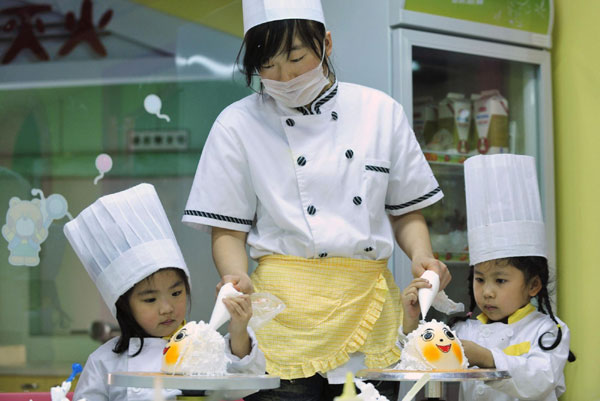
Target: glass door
point(467, 97)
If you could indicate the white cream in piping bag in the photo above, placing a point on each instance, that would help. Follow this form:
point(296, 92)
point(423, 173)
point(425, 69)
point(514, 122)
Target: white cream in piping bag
point(427, 295)
point(220, 314)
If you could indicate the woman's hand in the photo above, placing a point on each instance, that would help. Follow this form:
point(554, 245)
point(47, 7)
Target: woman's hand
point(412, 235)
point(478, 355)
point(241, 282)
point(422, 263)
point(240, 309)
point(410, 302)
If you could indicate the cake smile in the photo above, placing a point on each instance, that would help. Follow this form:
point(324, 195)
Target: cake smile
point(444, 348)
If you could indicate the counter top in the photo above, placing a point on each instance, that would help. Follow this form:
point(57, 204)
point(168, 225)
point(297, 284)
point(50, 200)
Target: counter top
point(38, 369)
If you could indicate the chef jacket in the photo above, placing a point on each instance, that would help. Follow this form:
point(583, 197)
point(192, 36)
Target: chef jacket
point(312, 182)
point(535, 374)
point(93, 386)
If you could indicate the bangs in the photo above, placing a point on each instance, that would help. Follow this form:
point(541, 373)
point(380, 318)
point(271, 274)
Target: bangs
point(267, 40)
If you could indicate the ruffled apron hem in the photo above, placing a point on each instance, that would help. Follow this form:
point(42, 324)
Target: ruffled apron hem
point(352, 345)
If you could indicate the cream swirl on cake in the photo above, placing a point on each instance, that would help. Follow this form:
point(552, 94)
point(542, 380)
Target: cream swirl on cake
point(195, 349)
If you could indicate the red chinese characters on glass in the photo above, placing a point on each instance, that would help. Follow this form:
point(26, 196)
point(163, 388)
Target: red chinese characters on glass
point(83, 30)
point(24, 22)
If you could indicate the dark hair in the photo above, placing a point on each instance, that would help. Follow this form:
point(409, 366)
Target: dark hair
point(127, 323)
point(531, 266)
point(265, 41)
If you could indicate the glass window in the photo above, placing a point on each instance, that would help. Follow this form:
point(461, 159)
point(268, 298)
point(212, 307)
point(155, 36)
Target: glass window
point(82, 125)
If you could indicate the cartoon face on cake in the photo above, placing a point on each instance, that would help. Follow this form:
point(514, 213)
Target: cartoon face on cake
point(195, 349)
point(433, 345)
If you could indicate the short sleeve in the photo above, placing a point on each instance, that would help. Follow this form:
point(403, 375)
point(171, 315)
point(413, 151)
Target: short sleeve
point(412, 185)
point(222, 193)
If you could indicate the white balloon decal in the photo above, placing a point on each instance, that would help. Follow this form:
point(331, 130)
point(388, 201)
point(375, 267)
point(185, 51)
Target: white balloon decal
point(153, 104)
point(103, 164)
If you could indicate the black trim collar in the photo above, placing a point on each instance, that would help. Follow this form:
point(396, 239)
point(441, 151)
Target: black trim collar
point(315, 106)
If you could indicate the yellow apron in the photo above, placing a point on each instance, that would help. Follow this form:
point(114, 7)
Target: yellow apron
point(334, 307)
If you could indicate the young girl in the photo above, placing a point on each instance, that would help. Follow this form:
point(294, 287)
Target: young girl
point(508, 254)
point(126, 244)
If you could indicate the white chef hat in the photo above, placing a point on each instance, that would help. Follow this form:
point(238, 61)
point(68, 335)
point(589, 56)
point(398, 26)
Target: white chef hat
point(504, 213)
point(258, 12)
point(123, 238)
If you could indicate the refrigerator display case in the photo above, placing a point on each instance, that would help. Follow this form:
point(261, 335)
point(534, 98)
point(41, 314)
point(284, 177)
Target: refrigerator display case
point(473, 87)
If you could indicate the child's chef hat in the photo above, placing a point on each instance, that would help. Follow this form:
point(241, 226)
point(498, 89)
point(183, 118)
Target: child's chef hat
point(504, 213)
point(123, 238)
point(258, 12)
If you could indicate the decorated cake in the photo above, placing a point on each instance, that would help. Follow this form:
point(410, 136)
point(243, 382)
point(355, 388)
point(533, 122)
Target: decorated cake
point(432, 346)
point(195, 349)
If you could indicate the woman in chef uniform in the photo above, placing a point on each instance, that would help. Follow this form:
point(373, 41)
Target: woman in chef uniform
point(317, 177)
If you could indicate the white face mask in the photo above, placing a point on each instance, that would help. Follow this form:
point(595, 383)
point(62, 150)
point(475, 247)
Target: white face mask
point(298, 91)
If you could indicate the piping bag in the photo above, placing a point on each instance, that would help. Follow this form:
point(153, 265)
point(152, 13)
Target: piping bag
point(349, 393)
point(265, 306)
point(59, 393)
point(429, 297)
point(220, 314)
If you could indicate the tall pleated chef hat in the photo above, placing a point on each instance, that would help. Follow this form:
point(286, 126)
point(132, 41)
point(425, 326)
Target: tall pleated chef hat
point(258, 12)
point(123, 238)
point(504, 213)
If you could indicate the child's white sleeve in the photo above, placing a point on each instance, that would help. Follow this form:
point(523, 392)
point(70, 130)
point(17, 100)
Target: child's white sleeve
point(537, 373)
point(92, 383)
point(253, 363)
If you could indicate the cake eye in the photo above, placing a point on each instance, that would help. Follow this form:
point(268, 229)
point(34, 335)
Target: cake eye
point(449, 334)
point(181, 335)
point(427, 336)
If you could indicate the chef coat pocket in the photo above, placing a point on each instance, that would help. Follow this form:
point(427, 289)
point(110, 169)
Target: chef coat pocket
point(376, 175)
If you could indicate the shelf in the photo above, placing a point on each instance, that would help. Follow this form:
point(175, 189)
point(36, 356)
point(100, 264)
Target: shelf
point(448, 159)
point(452, 257)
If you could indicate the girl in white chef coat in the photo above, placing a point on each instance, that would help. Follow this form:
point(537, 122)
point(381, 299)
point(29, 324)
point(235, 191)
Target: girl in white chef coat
point(317, 177)
point(126, 244)
point(509, 268)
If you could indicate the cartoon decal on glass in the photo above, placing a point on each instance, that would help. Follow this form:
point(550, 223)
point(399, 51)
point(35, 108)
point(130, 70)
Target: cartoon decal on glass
point(152, 104)
point(103, 163)
point(27, 223)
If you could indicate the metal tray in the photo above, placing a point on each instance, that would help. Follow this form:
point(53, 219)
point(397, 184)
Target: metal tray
point(438, 375)
point(181, 382)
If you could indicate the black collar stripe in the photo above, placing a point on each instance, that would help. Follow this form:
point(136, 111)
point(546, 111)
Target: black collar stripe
point(324, 100)
point(320, 101)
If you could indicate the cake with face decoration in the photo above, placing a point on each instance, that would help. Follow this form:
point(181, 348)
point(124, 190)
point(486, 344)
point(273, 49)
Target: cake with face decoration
point(195, 349)
point(432, 346)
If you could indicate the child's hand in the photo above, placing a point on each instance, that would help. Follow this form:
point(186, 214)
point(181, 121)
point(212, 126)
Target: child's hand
point(478, 355)
point(410, 302)
point(240, 309)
